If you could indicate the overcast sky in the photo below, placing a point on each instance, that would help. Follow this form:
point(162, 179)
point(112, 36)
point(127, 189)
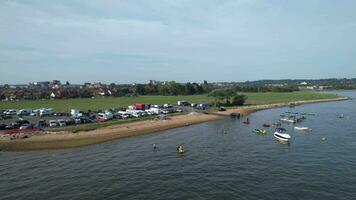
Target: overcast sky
point(126, 41)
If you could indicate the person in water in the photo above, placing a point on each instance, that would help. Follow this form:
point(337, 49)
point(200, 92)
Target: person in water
point(154, 147)
point(180, 148)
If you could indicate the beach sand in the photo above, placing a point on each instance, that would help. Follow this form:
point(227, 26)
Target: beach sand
point(61, 140)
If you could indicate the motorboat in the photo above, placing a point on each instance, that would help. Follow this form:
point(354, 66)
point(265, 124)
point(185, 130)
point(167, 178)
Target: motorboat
point(302, 128)
point(287, 120)
point(280, 134)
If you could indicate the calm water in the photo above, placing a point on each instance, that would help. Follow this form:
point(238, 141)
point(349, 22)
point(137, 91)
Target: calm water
point(236, 165)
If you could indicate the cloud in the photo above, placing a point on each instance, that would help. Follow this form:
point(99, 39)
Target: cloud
point(193, 40)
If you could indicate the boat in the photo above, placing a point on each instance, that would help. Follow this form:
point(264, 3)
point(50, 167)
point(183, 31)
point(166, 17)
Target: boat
point(259, 131)
point(281, 134)
point(341, 116)
point(302, 128)
point(235, 115)
point(300, 119)
point(266, 125)
point(304, 113)
point(287, 120)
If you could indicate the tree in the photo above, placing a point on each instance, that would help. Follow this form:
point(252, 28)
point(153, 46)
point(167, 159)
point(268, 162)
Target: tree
point(239, 100)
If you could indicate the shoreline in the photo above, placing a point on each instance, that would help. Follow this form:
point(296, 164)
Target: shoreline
point(64, 140)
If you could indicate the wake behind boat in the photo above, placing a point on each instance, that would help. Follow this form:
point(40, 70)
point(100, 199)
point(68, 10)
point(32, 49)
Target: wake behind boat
point(281, 134)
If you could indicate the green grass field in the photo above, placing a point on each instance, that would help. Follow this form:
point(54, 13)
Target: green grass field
point(64, 105)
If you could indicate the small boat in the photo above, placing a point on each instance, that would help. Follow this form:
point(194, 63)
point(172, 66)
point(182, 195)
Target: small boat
point(304, 113)
point(266, 125)
point(302, 128)
point(277, 124)
point(259, 131)
point(281, 134)
point(287, 120)
point(235, 115)
point(341, 116)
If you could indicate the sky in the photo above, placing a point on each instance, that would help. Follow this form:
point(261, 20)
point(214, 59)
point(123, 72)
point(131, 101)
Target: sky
point(134, 41)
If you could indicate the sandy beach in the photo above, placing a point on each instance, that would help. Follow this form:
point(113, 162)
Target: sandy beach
point(61, 140)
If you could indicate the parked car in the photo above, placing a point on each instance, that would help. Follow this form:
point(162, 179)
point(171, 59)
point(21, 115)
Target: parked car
point(86, 120)
point(105, 116)
point(13, 125)
point(24, 112)
point(21, 122)
point(77, 120)
point(6, 117)
point(2, 126)
point(53, 123)
point(46, 112)
point(165, 112)
point(10, 112)
point(61, 122)
point(41, 123)
point(179, 110)
point(35, 112)
point(26, 126)
point(70, 121)
point(222, 108)
point(100, 119)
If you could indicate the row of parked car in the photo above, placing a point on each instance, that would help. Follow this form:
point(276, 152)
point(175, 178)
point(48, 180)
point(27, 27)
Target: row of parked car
point(78, 117)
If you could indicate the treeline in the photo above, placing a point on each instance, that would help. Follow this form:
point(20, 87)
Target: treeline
point(173, 88)
point(227, 97)
point(262, 88)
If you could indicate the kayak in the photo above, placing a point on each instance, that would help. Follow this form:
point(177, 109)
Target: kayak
point(266, 125)
point(259, 131)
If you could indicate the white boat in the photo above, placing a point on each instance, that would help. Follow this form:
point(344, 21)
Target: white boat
point(287, 120)
point(302, 128)
point(281, 134)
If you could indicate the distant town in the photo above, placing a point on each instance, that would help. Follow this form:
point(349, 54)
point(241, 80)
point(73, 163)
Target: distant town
point(57, 90)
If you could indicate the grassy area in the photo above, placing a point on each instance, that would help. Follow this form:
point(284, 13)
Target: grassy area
point(64, 105)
